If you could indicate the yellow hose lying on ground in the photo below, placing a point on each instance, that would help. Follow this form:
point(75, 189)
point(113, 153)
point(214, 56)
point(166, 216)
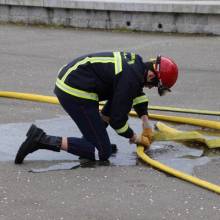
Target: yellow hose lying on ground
point(191, 121)
point(54, 100)
point(140, 149)
point(166, 133)
point(171, 171)
point(29, 97)
point(184, 110)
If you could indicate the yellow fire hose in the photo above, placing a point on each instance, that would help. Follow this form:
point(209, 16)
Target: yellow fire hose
point(184, 110)
point(54, 100)
point(166, 133)
point(29, 97)
point(181, 175)
point(140, 149)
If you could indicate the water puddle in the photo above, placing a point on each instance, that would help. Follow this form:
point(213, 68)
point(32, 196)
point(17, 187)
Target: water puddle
point(72, 165)
point(177, 155)
point(13, 134)
point(56, 167)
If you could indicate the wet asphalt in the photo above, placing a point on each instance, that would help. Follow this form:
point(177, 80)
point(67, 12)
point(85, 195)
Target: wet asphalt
point(30, 58)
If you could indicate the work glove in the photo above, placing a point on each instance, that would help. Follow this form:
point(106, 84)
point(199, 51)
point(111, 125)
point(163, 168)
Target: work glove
point(148, 133)
point(147, 129)
point(140, 139)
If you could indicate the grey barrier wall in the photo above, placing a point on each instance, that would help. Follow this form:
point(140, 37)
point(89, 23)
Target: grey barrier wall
point(140, 15)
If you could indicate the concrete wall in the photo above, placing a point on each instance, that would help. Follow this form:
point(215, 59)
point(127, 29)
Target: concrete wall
point(143, 15)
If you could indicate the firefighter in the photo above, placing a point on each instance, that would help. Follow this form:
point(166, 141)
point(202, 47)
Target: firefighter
point(119, 79)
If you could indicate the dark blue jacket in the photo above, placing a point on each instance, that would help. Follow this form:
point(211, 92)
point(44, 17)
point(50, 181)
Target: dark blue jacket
point(117, 77)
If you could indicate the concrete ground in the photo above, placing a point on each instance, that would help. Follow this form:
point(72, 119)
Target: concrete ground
point(30, 58)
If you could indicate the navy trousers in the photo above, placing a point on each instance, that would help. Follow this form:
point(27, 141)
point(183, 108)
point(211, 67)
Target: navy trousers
point(86, 116)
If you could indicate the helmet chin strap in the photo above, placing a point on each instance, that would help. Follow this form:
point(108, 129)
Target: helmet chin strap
point(158, 60)
point(162, 90)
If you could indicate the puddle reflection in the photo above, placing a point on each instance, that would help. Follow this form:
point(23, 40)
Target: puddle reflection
point(177, 155)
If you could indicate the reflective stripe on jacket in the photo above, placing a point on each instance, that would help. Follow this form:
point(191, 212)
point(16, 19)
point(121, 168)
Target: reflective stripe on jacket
point(115, 76)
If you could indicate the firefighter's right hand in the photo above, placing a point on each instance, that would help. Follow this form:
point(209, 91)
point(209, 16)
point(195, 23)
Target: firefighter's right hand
point(140, 139)
point(147, 132)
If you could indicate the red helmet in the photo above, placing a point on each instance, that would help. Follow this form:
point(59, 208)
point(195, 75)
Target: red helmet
point(167, 71)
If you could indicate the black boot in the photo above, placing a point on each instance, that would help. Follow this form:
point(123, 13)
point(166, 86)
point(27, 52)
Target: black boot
point(37, 139)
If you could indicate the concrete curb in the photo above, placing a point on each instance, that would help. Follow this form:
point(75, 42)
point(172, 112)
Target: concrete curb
point(141, 15)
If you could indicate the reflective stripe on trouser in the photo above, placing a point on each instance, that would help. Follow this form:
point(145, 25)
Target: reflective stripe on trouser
point(86, 116)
